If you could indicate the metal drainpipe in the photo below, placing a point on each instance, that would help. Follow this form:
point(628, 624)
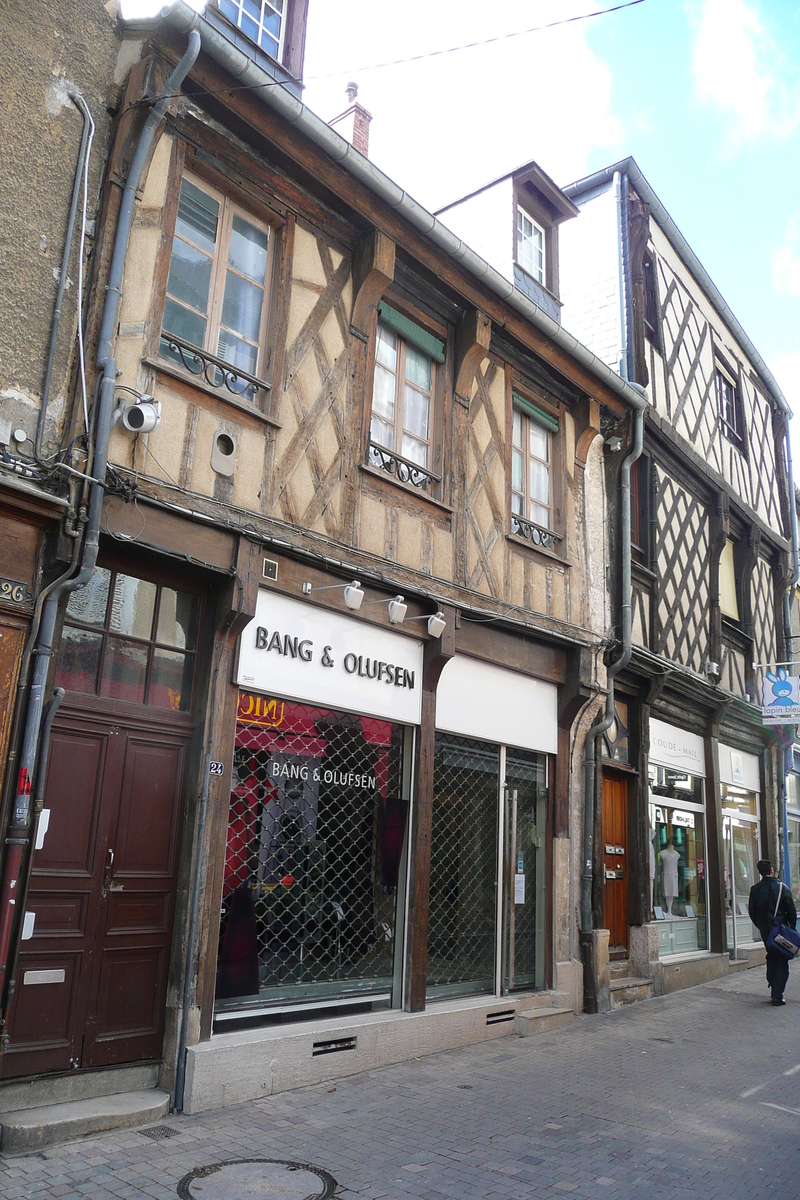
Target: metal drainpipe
point(789, 638)
point(19, 833)
point(607, 720)
point(88, 125)
point(623, 308)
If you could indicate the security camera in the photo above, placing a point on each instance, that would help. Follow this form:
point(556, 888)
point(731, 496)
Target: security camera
point(141, 418)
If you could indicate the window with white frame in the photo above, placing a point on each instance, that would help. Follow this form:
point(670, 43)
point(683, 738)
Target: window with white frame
point(218, 279)
point(401, 423)
point(260, 20)
point(531, 491)
point(729, 404)
point(530, 246)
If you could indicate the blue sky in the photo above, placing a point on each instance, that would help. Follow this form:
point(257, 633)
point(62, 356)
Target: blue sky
point(705, 94)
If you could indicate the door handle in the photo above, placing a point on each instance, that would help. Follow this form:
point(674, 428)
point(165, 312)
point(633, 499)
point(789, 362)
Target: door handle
point(110, 862)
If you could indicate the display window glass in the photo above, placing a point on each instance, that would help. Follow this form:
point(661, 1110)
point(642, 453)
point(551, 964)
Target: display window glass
point(678, 861)
point(314, 858)
point(742, 841)
point(793, 821)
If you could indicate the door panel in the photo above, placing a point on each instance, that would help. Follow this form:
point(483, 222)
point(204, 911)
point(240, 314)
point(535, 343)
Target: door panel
point(615, 860)
point(103, 888)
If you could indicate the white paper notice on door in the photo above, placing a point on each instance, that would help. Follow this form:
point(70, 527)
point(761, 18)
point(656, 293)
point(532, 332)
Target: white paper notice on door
point(519, 889)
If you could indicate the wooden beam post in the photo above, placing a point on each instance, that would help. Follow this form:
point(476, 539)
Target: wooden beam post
point(437, 654)
point(473, 335)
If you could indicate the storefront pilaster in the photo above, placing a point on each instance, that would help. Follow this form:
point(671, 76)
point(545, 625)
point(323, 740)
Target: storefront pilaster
point(718, 942)
point(436, 656)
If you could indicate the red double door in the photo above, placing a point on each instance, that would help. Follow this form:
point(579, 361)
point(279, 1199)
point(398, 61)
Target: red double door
point(91, 982)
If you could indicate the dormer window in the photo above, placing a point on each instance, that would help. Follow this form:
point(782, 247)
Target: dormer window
point(259, 20)
point(530, 246)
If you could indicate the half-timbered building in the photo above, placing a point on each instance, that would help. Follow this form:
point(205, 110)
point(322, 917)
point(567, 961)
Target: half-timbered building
point(325, 656)
point(692, 787)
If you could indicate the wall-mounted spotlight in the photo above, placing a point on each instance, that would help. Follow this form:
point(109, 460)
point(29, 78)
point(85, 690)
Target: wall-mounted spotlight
point(397, 611)
point(614, 444)
point(353, 594)
point(437, 624)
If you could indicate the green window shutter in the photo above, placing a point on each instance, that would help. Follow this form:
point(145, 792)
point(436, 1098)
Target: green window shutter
point(536, 414)
point(412, 332)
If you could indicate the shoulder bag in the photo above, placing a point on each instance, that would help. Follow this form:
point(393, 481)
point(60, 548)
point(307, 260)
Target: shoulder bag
point(781, 937)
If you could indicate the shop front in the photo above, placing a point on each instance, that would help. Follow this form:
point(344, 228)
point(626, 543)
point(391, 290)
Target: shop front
point(793, 822)
point(677, 839)
point(740, 795)
point(487, 928)
point(314, 890)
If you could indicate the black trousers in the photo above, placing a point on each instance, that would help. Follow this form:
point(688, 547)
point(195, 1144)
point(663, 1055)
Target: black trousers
point(777, 973)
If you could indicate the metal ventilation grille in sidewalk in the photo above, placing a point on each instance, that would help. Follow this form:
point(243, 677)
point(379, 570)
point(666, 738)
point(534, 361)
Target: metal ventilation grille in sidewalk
point(463, 888)
point(315, 832)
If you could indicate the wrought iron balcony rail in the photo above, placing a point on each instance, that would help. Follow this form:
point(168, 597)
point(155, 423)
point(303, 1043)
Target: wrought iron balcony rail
point(402, 468)
point(537, 535)
point(214, 370)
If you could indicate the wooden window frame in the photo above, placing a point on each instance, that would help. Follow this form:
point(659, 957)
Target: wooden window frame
point(523, 212)
point(726, 374)
point(284, 15)
point(737, 618)
point(394, 469)
point(554, 543)
point(232, 201)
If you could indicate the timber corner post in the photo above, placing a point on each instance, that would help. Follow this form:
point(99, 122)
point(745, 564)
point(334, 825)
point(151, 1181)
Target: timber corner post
point(437, 654)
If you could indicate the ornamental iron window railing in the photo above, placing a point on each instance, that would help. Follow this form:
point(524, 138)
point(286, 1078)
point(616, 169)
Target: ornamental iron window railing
point(537, 535)
point(214, 370)
point(402, 468)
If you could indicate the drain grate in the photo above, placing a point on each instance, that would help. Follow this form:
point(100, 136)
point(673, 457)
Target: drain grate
point(270, 1178)
point(158, 1133)
point(334, 1046)
point(500, 1016)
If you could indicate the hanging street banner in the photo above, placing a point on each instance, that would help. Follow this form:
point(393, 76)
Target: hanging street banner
point(780, 699)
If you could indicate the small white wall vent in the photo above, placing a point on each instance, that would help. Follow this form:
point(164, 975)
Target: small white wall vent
point(223, 453)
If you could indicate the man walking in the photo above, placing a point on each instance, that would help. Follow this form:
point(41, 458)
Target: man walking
point(761, 907)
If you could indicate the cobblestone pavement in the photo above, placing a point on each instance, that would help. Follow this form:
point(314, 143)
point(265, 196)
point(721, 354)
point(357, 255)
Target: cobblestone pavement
point(695, 1095)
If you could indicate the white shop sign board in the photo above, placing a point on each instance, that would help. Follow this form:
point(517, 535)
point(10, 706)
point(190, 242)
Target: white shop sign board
point(676, 748)
point(295, 650)
point(479, 700)
point(738, 768)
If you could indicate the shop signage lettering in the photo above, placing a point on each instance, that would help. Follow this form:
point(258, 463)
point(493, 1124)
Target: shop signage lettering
point(363, 666)
point(676, 748)
point(302, 771)
point(260, 710)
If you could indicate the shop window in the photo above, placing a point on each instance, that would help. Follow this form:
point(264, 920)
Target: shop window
point(216, 308)
point(316, 835)
point(650, 300)
point(677, 855)
point(729, 402)
point(728, 600)
point(130, 639)
point(532, 473)
point(407, 358)
point(742, 849)
point(793, 820)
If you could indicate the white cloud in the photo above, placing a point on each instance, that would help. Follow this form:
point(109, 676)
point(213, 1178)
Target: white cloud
point(447, 124)
point(786, 261)
point(739, 69)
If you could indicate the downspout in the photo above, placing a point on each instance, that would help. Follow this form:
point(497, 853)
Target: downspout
point(788, 597)
point(622, 290)
point(88, 131)
point(19, 833)
point(606, 721)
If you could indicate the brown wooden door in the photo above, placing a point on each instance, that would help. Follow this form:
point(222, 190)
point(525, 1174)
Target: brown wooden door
point(615, 860)
point(91, 982)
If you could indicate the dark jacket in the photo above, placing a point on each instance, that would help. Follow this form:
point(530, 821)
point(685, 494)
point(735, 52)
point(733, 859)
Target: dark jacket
point(761, 905)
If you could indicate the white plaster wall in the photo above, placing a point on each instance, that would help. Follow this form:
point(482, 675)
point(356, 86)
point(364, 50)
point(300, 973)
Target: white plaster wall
point(589, 276)
point(486, 223)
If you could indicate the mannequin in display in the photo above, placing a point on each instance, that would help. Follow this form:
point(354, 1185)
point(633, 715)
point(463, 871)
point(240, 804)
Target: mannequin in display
point(670, 858)
point(652, 856)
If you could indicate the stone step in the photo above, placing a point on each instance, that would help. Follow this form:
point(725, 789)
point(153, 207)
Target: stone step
point(630, 989)
point(618, 968)
point(30, 1129)
point(16, 1094)
point(542, 1020)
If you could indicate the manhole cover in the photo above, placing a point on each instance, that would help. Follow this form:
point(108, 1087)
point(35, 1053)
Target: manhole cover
point(257, 1179)
point(158, 1133)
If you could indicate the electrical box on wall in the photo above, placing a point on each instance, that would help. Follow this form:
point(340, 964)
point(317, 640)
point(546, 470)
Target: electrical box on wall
point(223, 453)
point(270, 569)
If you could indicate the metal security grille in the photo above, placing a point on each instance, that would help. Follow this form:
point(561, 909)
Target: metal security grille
point(524, 910)
point(463, 888)
point(315, 835)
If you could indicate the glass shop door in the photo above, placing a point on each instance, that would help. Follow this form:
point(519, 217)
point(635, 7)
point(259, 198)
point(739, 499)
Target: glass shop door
point(524, 813)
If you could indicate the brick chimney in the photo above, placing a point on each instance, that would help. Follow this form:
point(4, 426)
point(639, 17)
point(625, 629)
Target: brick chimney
point(353, 123)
